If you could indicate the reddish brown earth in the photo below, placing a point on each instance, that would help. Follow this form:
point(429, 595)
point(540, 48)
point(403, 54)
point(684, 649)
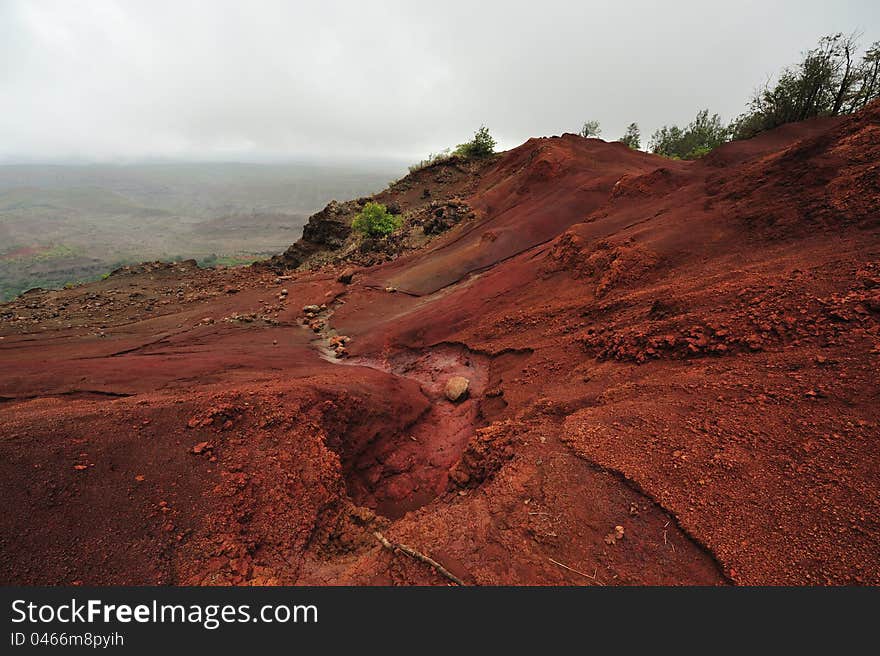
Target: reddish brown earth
point(685, 350)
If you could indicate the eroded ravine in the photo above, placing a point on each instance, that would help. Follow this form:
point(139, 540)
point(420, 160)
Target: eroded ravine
point(401, 471)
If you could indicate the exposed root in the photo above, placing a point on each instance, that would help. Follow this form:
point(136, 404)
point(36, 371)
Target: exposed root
point(412, 553)
point(572, 569)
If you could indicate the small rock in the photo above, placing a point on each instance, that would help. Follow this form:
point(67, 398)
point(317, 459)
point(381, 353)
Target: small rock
point(346, 277)
point(616, 535)
point(284, 292)
point(311, 309)
point(202, 447)
point(457, 388)
point(391, 290)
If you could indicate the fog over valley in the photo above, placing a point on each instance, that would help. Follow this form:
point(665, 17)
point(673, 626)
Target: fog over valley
point(63, 224)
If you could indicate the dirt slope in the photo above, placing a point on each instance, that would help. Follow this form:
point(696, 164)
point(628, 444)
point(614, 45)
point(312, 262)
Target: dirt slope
point(672, 373)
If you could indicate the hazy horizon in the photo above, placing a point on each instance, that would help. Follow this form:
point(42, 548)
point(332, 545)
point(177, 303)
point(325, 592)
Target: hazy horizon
point(62, 224)
point(119, 81)
point(390, 164)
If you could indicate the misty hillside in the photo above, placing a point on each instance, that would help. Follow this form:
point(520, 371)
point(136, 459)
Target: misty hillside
point(66, 224)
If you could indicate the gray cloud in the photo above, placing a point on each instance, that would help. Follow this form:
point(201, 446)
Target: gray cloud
point(110, 79)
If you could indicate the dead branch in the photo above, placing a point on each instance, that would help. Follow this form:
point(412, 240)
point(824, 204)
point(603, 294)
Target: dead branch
point(412, 553)
point(572, 569)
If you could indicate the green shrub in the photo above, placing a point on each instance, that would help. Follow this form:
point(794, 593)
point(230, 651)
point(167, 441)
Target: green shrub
point(590, 130)
point(632, 137)
point(699, 151)
point(482, 145)
point(700, 136)
point(376, 221)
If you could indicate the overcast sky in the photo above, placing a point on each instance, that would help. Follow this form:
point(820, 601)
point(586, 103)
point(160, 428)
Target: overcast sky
point(265, 79)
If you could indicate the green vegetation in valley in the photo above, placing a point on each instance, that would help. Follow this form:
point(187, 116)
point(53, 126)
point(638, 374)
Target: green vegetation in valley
point(61, 224)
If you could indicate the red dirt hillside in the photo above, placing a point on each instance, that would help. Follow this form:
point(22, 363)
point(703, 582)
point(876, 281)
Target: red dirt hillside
point(671, 367)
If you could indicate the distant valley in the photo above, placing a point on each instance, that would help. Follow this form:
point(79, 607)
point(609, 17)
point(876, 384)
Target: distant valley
point(61, 225)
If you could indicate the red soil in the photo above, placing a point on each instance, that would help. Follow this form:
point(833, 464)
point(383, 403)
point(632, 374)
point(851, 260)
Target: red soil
point(684, 350)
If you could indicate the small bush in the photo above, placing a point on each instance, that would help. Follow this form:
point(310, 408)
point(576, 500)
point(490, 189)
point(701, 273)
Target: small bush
point(699, 137)
point(482, 145)
point(590, 130)
point(376, 221)
point(632, 138)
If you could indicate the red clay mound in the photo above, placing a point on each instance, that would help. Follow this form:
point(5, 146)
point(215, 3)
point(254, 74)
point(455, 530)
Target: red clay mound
point(671, 376)
point(528, 197)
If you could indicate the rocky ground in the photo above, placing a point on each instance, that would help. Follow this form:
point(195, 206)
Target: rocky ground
point(576, 364)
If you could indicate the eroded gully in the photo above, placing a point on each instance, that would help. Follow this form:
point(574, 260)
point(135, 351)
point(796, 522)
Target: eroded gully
point(398, 472)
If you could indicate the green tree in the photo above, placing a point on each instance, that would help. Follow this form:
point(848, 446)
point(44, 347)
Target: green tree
point(867, 79)
point(632, 137)
point(826, 82)
point(590, 129)
point(376, 221)
point(700, 136)
point(482, 145)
